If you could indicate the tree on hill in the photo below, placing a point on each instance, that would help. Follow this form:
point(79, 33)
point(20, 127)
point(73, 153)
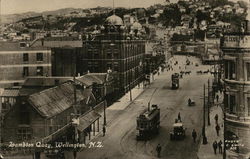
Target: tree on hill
point(171, 16)
point(217, 3)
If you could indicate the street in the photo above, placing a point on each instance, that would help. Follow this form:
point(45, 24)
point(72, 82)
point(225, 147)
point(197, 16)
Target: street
point(120, 140)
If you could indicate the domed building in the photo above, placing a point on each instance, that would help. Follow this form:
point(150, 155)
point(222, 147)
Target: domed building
point(114, 20)
point(114, 27)
point(117, 50)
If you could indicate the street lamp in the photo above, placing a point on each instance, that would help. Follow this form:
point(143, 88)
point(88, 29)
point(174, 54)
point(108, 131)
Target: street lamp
point(130, 92)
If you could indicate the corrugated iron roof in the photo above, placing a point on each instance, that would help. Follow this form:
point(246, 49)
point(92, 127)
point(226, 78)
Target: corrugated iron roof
point(53, 101)
point(10, 93)
point(87, 119)
point(91, 78)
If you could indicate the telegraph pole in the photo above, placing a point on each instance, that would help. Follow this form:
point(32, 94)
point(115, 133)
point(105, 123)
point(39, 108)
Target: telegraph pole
point(224, 146)
point(204, 124)
point(208, 104)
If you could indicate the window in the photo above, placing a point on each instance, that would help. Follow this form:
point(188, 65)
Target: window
point(116, 67)
point(39, 57)
point(109, 66)
point(116, 55)
point(226, 69)
point(24, 134)
point(39, 71)
point(109, 55)
point(25, 71)
point(232, 107)
point(5, 104)
point(25, 57)
point(248, 71)
point(22, 44)
point(16, 84)
point(232, 74)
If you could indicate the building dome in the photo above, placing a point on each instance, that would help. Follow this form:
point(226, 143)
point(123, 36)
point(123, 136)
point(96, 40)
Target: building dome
point(114, 20)
point(136, 26)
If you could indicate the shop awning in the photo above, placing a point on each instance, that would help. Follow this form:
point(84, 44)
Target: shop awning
point(87, 119)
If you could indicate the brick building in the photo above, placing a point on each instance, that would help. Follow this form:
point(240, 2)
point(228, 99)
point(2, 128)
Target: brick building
point(118, 49)
point(236, 49)
point(18, 60)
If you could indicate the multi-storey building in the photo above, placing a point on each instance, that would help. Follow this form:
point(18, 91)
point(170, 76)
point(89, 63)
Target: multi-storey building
point(18, 60)
point(117, 48)
point(236, 49)
point(66, 54)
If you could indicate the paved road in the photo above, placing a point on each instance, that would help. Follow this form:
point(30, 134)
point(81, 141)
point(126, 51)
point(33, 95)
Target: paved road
point(120, 141)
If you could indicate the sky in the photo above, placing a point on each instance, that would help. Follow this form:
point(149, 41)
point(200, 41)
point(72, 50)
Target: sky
point(20, 6)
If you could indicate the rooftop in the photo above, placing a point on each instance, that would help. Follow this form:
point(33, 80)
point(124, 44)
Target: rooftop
point(90, 78)
point(16, 46)
point(53, 101)
point(45, 81)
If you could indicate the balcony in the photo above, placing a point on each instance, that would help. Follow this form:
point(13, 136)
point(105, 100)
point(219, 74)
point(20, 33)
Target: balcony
point(236, 41)
point(235, 118)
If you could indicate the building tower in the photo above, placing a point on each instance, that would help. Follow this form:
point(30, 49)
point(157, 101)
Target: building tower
point(236, 49)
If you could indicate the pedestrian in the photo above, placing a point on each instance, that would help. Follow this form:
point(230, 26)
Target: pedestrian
point(217, 98)
point(220, 146)
point(194, 135)
point(216, 118)
point(158, 149)
point(217, 128)
point(103, 130)
point(179, 116)
point(215, 146)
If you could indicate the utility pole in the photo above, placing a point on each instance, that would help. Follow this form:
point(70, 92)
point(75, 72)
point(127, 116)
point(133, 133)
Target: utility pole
point(75, 109)
point(224, 146)
point(208, 104)
point(204, 124)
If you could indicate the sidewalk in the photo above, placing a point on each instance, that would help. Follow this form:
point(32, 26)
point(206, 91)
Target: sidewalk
point(206, 151)
point(113, 110)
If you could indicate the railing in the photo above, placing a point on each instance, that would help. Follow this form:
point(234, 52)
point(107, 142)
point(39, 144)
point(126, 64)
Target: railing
point(237, 118)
